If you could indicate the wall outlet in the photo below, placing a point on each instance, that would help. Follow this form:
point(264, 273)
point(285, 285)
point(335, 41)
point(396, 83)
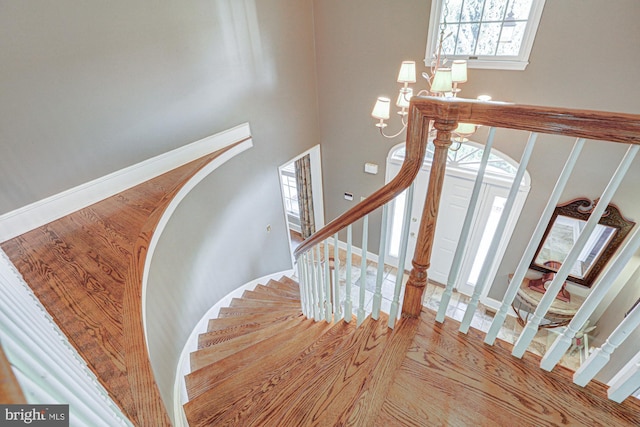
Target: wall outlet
point(371, 168)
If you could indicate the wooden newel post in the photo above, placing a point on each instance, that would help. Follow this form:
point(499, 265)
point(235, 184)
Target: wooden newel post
point(412, 304)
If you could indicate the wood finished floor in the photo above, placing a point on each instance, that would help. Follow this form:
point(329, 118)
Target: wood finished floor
point(86, 269)
point(449, 378)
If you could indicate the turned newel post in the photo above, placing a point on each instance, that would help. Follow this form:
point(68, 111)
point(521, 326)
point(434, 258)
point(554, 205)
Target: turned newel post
point(412, 304)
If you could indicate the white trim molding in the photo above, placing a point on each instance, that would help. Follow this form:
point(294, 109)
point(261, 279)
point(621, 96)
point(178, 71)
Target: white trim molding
point(42, 212)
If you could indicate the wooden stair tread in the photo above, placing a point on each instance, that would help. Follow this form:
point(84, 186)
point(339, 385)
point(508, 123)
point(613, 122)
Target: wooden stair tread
point(262, 289)
point(285, 287)
point(292, 284)
point(251, 295)
point(241, 302)
point(244, 311)
point(305, 333)
point(237, 395)
point(253, 319)
point(206, 356)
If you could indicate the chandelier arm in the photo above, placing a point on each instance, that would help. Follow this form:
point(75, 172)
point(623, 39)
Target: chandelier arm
point(404, 127)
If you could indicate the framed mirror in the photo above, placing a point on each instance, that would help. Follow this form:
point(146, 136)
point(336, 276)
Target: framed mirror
point(566, 224)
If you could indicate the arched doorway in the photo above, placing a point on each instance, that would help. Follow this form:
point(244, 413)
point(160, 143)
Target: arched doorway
point(461, 171)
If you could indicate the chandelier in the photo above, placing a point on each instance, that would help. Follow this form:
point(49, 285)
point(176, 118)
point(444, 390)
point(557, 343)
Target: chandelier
point(443, 82)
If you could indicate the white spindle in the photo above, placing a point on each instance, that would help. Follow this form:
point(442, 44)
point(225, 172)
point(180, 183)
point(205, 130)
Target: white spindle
point(600, 357)
point(317, 283)
point(363, 270)
point(597, 294)
point(549, 296)
point(456, 265)
point(404, 241)
point(328, 308)
point(348, 304)
point(336, 285)
point(627, 384)
point(302, 285)
point(304, 262)
point(523, 266)
point(377, 297)
point(311, 286)
point(483, 278)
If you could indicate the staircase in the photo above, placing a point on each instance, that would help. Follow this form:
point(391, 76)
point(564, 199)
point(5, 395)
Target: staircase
point(262, 363)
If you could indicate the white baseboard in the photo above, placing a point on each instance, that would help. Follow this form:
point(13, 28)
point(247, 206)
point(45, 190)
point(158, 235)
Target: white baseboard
point(36, 214)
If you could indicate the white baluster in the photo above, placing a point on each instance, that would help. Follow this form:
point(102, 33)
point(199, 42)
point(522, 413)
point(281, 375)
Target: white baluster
point(600, 357)
point(483, 277)
point(348, 304)
point(337, 307)
point(328, 314)
point(404, 241)
point(627, 384)
point(523, 266)
point(597, 294)
point(304, 282)
point(363, 270)
point(554, 288)
point(377, 297)
point(301, 285)
point(456, 264)
point(316, 284)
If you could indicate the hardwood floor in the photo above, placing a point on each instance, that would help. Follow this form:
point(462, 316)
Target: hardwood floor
point(86, 269)
point(449, 378)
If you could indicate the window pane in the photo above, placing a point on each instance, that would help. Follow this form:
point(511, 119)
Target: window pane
point(449, 44)
point(521, 9)
point(453, 7)
point(488, 39)
point(513, 47)
point(467, 37)
point(494, 10)
point(472, 11)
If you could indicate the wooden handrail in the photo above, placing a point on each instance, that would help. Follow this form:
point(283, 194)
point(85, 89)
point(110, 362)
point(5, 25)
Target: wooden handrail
point(589, 124)
point(10, 391)
point(417, 136)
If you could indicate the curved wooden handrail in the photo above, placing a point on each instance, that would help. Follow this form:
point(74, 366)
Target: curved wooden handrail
point(418, 131)
point(589, 124)
point(10, 391)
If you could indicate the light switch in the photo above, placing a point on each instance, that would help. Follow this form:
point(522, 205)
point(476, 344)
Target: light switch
point(371, 168)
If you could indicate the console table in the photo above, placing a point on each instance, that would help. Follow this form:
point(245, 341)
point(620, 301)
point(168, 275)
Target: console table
point(560, 313)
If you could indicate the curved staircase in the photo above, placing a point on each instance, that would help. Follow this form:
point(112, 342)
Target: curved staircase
point(262, 363)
